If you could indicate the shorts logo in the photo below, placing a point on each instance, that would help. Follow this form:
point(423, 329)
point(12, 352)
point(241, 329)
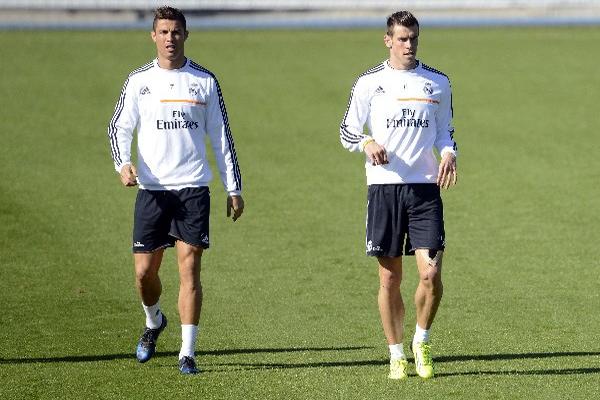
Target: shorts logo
point(204, 239)
point(371, 248)
point(138, 244)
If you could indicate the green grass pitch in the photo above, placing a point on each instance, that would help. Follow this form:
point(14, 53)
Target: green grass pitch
point(290, 306)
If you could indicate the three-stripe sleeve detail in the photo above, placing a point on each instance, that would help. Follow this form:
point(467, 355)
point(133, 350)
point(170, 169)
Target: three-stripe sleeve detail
point(112, 126)
point(345, 134)
point(236, 169)
point(435, 71)
point(451, 132)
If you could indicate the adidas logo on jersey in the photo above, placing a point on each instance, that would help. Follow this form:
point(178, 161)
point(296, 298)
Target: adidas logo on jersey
point(144, 90)
point(379, 90)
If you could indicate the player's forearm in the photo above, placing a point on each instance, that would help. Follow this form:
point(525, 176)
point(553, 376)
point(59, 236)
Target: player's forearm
point(352, 140)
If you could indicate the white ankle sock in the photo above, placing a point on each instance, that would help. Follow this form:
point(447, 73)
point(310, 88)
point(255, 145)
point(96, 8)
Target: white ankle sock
point(189, 333)
point(421, 335)
point(396, 351)
point(153, 315)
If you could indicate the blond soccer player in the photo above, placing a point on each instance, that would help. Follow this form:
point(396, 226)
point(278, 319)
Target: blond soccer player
point(406, 108)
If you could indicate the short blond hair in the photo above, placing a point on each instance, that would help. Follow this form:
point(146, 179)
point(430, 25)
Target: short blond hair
point(402, 18)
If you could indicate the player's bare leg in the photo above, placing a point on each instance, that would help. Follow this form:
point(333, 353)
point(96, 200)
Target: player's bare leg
point(430, 289)
point(189, 303)
point(146, 276)
point(391, 306)
point(150, 288)
point(391, 310)
point(190, 288)
point(427, 300)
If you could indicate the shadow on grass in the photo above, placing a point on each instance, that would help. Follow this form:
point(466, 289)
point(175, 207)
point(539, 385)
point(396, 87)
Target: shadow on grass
point(518, 356)
point(225, 352)
point(224, 367)
point(566, 371)
point(442, 359)
point(267, 366)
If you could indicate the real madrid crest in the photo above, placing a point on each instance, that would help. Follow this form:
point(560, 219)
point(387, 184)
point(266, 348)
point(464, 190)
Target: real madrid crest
point(427, 88)
point(194, 90)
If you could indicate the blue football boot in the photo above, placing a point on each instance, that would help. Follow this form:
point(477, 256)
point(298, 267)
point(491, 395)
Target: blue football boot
point(147, 343)
point(187, 366)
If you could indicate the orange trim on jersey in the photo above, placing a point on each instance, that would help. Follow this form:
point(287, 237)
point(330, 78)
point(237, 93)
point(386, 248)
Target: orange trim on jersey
point(419, 99)
point(183, 101)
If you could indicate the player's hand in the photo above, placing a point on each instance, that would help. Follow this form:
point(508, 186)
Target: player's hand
point(128, 175)
point(447, 171)
point(235, 204)
point(376, 153)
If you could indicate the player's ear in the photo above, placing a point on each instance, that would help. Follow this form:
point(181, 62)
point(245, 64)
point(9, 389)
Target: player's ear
point(185, 35)
point(387, 40)
point(153, 35)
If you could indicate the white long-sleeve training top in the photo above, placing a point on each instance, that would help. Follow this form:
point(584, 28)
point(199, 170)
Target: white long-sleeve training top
point(172, 111)
point(409, 113)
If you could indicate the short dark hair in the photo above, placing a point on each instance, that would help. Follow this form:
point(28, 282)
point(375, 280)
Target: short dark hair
point(170, 13)
point(402, 18)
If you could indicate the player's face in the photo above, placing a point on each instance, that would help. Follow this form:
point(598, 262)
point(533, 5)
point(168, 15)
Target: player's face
point(403, 46)
point(169, 37)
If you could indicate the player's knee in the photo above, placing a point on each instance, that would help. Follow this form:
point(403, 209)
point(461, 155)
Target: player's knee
point(390, 279)
point(145, 272)
point(431, 280)
point(143, 275)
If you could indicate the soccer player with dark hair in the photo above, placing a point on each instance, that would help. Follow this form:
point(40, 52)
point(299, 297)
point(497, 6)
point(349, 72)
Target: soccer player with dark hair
point(172, 104)
point(406, 107)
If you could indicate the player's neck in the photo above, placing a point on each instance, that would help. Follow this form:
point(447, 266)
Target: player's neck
point(177, 63)
point(401, 64)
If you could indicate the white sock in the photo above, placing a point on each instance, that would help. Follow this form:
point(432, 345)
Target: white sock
point(153, 315)
point(421, 335)
point(396, 351)
point(189, 333)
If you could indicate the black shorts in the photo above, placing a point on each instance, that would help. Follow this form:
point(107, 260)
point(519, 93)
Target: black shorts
point(163, 216)
point(404, 211)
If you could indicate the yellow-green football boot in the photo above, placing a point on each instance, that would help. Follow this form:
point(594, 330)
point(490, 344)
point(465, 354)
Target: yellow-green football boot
point(398, 368)
point(423, 361)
